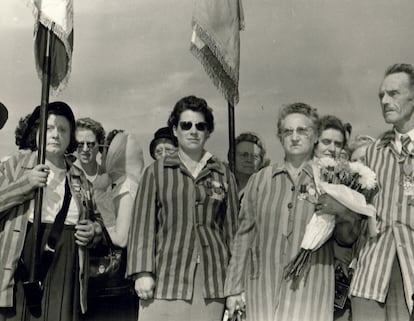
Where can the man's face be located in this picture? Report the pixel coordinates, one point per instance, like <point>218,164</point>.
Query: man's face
<point>298,136</point>
<point>248,157</point>
<point>330,143</point>
<point>87,145</point>
<point>396,98</point>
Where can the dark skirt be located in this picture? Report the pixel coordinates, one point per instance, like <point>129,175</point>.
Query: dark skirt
<point>60,301</point>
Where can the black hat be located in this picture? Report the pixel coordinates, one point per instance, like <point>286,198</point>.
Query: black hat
<point>4,114</point>
<point>163,132</point>
<point>56,108</point>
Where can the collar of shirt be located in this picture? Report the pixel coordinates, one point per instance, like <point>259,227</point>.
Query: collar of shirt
<point>397,140</point>
<point>281,168</point>
<point>212,163</point>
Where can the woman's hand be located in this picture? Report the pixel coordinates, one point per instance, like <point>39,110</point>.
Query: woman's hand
<point>235,304</point>
<point>145,285</point>
<point>85,232</point>
<point>38,176</point>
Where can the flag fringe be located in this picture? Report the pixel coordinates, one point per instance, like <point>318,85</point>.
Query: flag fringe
<point>224,77</point>
<point>62,35</point>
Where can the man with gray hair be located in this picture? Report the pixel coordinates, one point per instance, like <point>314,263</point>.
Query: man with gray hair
<point>383,282</point>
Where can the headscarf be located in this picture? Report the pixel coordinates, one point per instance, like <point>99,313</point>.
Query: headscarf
<point>123,165</point>
<point>123,158</point>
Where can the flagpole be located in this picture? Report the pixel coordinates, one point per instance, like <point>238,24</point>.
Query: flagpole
<point>232,149</point>
<point>41,156</point>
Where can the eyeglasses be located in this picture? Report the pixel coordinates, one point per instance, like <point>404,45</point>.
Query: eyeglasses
<point>186,125</point>
<point>247,155</point>
<point>300,131</point>
<point>89,144</point>
<point>159,152</point>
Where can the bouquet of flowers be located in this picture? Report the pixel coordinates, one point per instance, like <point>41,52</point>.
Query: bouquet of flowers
<point>353,185</point>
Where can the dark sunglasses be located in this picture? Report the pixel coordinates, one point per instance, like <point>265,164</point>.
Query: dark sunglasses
<point>186,125</point>
<point>89,144</point>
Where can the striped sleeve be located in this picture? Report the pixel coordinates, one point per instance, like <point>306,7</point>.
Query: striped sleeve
<point>232,210</point>
<point>141,242</point>
<point>14,192</point>
<point>234,283</point>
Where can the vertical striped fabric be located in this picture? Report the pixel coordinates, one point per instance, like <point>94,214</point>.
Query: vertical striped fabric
<point>272,223</point>
<point>395,221</point>
<point>178,218</point>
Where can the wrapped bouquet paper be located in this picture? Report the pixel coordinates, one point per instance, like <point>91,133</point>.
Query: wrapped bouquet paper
<point>351,184</point>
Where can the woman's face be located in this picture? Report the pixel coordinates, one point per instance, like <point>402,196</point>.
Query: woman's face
<point>87,145</point>
<point>191,131</point>
<point>297,136</point>
<point>359,154</point>
<point>330,143</point>
<point>57,135</point>
<point>164,147</point>
<point>248,157</point>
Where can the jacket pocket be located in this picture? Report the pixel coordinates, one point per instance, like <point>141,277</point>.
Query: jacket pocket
<point>254,263</point>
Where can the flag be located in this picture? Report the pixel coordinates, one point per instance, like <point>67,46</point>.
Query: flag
<point>215,41</point>
<point>56,14</point>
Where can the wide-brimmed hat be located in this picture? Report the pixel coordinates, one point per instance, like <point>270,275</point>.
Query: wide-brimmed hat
<point>163,132</point>
<point>56,108</point>
<point>4,114</point>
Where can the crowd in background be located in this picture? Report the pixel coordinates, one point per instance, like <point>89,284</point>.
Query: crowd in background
<point>198,240</point>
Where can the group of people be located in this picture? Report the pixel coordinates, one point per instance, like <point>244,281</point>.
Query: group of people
<point>203,242</point>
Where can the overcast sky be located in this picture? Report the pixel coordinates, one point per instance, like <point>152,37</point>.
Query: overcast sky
<point>131,63</point>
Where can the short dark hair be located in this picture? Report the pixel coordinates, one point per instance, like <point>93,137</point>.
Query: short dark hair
<point>95,126</point>
<point>297,108</point>
<point>195,104</point>
<point>25,138</point>
<point>401,67</point>
<point>58,108</point>
<point>333,122</point>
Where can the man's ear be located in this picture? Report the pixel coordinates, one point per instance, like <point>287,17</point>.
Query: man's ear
<point>175,131</point>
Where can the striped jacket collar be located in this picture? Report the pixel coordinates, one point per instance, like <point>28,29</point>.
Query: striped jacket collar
<point>213,164</point>
<point>387,139</point>
<point>281,168</point>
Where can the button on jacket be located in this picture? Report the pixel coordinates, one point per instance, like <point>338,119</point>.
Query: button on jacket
<point>179,220</point>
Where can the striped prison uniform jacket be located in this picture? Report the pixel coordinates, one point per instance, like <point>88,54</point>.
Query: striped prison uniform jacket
<point>395,222</point>
<point>179,220</point>
<point>272,223</point>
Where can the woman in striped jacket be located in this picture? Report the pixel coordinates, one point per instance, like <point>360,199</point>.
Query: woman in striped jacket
<point>65,189</point>
<point>184,222</point>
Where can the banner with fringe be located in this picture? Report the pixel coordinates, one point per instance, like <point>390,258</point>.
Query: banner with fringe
<point>215,42</point>
<point>58,13</point>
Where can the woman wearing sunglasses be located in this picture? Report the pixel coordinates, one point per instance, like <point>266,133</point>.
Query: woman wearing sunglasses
<point>184,222</point>
<point>90,136</point>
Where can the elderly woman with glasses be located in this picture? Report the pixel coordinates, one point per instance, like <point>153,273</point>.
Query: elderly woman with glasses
<point>184,222</point>
<point>250,157</point>
<point>272,222</point>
